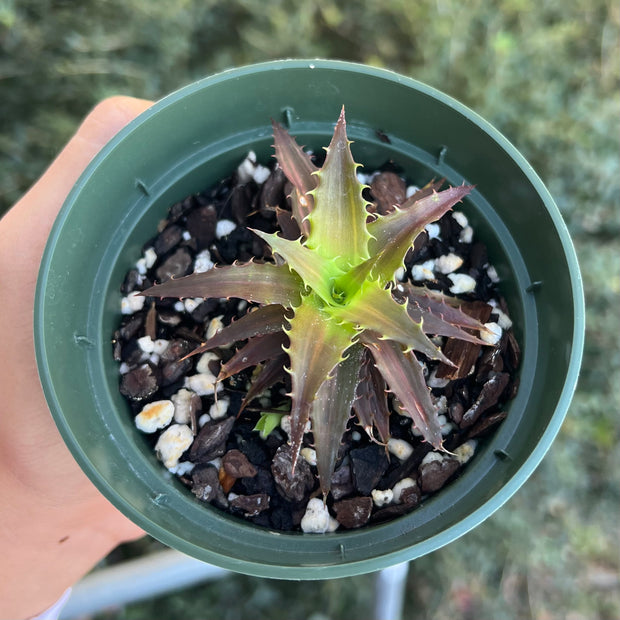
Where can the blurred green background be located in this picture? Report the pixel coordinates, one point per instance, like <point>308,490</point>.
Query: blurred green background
<point>547,74</point>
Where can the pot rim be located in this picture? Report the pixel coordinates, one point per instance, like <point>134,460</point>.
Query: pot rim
<point>44,357</point>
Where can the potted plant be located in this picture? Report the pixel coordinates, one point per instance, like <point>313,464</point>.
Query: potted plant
<point>197,136</point>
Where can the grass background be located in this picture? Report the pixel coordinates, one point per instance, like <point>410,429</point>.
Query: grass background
<point>547,74</point>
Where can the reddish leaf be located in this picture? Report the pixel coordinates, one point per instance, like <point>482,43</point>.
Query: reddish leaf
<point>404,376</point>
<point>271,373</point>
<point>262,321</point>
<point>263,283</point>
<point>443,306</point>
<point>393,234</point>
<point>331,411</point>
<point>317,344</point>
<point>298,168</point>
<point>371,406</point>
<point>257,350</point>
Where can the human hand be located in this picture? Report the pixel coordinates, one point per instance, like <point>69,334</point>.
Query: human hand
<point>54,524</point>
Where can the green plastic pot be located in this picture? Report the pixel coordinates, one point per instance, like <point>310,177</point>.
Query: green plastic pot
<point>188,141</point>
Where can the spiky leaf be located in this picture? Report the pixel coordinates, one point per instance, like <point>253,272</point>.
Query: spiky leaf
<point>317,344</point>
<point>255,351</point>
<point>443,306</point>
<point>262,321</point>
<point>371,406</point>
<point>270,374</point>
<point>376,310</point>
<point>393,234</point>
<point>258,282</point>
<point>298,168</point>
<point>331,411</point>
<point>404,376</point>
<point>338,220</point>
<point>315,270</point>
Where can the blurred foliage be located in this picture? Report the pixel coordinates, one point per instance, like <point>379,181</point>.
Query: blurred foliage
<point>547,74</point>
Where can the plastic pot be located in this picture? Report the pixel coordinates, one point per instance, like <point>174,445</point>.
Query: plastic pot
<point>188,141</point>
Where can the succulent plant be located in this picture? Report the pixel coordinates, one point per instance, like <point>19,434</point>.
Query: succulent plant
<point>328,310</point>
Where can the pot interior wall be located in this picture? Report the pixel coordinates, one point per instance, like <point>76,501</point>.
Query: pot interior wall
<point>189,141</point>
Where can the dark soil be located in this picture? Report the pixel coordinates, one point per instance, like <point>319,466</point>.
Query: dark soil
<point>228,464</point>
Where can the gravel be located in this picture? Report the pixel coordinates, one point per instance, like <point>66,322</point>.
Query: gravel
<point>200,434</point>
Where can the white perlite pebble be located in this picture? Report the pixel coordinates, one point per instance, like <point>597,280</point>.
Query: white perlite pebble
<point>159,346</point>
<point>202,366</point>
<point>134,302</point>
<point>503,320</point>
<point>203,384</point>
<point>433,230</point>
<point>309,455</point>
<point>154,416</point>
<point>215,326</point>
<point>442,404</point>
<point>423,271</point>
<point>285,425</point>
<point>179,306</point>
<point>492,273</point>
<point>461,218</point>
<point>411,190</point>
<point>191,304</point>
<point>465,451</point>
<point>434,382</point>
<point>317,519</point>
<point>223,228</point>
<point>180,469</point>
<point>218,409</point>
<point>399,487</point>
<point>172,443</point>
<point>382,498</point>
<point>444,426</point>
<point>448,263</point>
<point>203,419</point>
<point>466,235</point>
<point>400,448</point>
<point>432,457</point>
<point>203,262</point>
<point>493,335</point>
<point>399,274</point>
<point>146,344</point>
<point>150,257</point>
<point>246,168</point>
<point>182,401</point>
<point>261,174</point>
<point>461,283</point>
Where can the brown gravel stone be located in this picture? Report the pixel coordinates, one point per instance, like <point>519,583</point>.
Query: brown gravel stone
<point>206,486</point>
<point>435,474</point>
<point>211,441</point>
<point>491,391</point>
<point>353,512</point>
<point>139,383</point>
<point>236,464</point>
<point>292,486</point>
<point>176,265</point>
<point>251,505</point>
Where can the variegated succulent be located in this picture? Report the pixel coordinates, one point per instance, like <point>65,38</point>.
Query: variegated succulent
<point>328,308</point>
